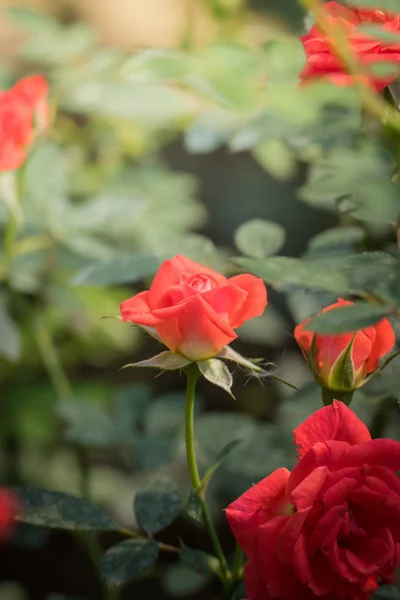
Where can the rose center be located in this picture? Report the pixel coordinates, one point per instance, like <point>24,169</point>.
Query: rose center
<point>200,283</point>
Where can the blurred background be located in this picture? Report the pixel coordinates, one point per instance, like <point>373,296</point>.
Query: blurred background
<point>158,145</point>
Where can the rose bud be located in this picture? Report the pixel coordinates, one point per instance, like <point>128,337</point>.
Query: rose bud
<point>342,362</point>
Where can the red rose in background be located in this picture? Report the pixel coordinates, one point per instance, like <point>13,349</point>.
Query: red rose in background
<point>194,310</point>
<point>9,506</point>
<point>325,352</point>
<point>322,60</point>
<point>23,110</point>
<point>330,529</point>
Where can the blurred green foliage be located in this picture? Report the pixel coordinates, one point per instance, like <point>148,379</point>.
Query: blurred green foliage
<point>99,207</point>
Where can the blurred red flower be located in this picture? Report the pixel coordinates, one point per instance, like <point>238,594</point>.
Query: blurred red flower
<point>23,111</point>
<point>9,506</point>
<point>322,58</point>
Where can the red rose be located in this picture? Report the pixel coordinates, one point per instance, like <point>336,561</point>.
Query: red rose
<point>23,110</point>
<point>324,353</point>
<point>330,529</point>
<point>9,506</point>
<point>194,310</point>
<point>322,60</point>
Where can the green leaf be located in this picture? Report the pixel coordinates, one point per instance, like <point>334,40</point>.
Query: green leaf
<point>156,64</point>
<point>379,33</point>
<point>387,592</point>
<point>61,511</point>
<point>281,271</point>
<point>276,158</point>
<point>87,424</point>
<point>258,238</point>
<point>387,5</point>
<point>217,373</point>
<point>335,240</point>
<point>209,131</point>
<point>198,561</point>
<point>10,340</point>
<point>126,269</point>
<point>348,318</point>
<point>180,581</point>
<point>128,560</point>
<point>153,451</point>
<point>194,506</point>
<point>222,455</point>
<point>167,361</point>
<point>157,505</point>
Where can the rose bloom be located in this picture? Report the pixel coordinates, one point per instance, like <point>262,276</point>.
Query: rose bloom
<point>194,310</point>
<point>9,506</point>
<point>330,529</point>
<point>322,60</point>
<point>23,111</point>
<point>324,354</point>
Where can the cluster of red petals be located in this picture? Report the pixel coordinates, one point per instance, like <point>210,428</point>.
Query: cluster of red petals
<point>330,529</point>
<point>194,310</point>
<point>9,507</point>
<point>322,59</point>
<point>23,110</point>
<point>368,346</point>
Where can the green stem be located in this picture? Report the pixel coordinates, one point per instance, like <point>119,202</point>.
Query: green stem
<point>192,373</point>
<point>328,396</point>
<point>51,359</point>
<point>237,567</point>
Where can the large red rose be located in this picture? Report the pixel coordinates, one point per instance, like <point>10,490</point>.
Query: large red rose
<point>194,310</point>
<point>330,529</point>
<point>9,506</point>
<point>322,58</point>
<point>23,110</point>
<point>323,355</point>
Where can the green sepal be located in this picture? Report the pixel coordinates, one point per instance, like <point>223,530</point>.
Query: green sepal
<point>342,376</point>
<point>166,361</point>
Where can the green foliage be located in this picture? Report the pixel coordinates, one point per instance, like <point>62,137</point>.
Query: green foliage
<point>61,511</point>
<point>387,592</point>
<point>128,560</point>
<point>348,318</point>
<point>157,505</point>
<point>258,238</point>
<point>107,194</point>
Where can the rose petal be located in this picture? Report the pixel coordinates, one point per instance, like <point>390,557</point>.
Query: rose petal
<point>137,310</point>
<point>225,301</point>
<point>255,301</point>
<point>197,332</point>
<point>258,505</point>
<point>334,422</point>
<point>170,274</point>
<point>385,340</point>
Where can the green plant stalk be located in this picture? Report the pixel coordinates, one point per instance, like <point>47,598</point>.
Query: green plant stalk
<point>237,567</point>
<point>328,396</point>
<point>193,373</point>
<point>63,389</point>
